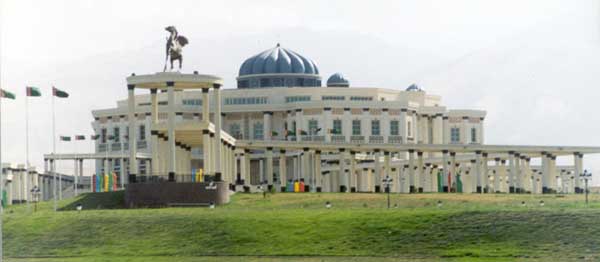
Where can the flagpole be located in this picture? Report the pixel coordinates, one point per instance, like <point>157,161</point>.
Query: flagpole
<point>54,155</point>
<point>27,152</point>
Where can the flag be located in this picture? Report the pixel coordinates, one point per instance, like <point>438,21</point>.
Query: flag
<point>65,138</point>
<point>33,91</point>
<point>59,93</point>
<point>94,137</point>
<point>6,94</point>
<point>79,137</point>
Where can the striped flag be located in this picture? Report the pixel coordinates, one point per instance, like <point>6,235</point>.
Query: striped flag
<point>94,137</point>
<point>6,94</point>
<point>65,138</point>
<point>33,91</point>
<point>59,93</point>
<point>79,137</point>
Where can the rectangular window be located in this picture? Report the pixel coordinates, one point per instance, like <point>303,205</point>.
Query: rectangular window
<point>295,99</point>
<point>191,102</point>
<point>337,127</point>
<point>313,125</point>
<point>245,100</point>
<point>142,132</point>
<point>375,128</point>
<point>455,135</point>
<point>473,135</point>
<point>103,135</point>
<point>235,131</point>
<point>356,127</point>
<point>117,134</point>
<point>258,131</point>
<point>394,128</point>
<point>409,129</point>
<point>325,98</point>
<point>361,98</point>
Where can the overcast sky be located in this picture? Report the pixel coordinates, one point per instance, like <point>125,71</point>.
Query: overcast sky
<point>533,65</point>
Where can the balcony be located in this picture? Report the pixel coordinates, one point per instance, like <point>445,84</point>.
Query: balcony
<point>115,146</point>
<point>102,147</point>
<point>395,139</point>
<point>376,139</point>
<point>338,139</point>
<point>319,138</point>
<point>305,138</point>
<point>142,144</point>
<point>357,139</point>
<point>291,138</point>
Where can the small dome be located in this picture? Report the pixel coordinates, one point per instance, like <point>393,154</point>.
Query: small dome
<point>337,80</point>
<point>414,87</point>
<point>278,60</point>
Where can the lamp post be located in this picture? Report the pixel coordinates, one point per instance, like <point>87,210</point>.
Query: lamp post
<point>35,194</point>
<point>586,175</point>
<point>387,181</point>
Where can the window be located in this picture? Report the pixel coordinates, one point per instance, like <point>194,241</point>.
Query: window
<point>294,126</point>
<point>409,129</point>
<point>361,98</point>
<point>325,98</point>
<point>258,131</point>
<point>245,100</point>
<point>192,102</point>
<point>455,135</point>
<point>142,167</point>
<point>142,132</point>
<point>103,135</point>
<point>313,125</point>
<point>473,135</point>
<point>356,127</point>
<point>394,128</point>
<point>117,134</point>
<point>235,131</point>
<point>375,128</point>
<point>337,127</point>
<point>294,99</point>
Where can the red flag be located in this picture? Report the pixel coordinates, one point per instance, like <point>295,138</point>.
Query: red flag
<point>449,181</point>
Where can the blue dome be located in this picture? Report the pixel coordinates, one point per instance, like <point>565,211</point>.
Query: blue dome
<point>414,87</point>
<point>278,60</point>
<point>337,80</point>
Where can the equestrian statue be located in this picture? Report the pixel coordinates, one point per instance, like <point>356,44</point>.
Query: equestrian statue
<point>175,44</point>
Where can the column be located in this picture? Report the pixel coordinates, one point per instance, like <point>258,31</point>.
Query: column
<point>403,178</point>
<point>352,174</point>
<point>497,175</point>
<point>424,133</point>
<point>282,170</point>
<point>402,125</point>
<point>243,171</point>
<point>484,173</point>
<point>318,173</point>
<point>464,132</point>
<point>445,186</point>
<point>377,175</point>
<point>415,126</point>
<point>171,130</point>
<point>477,175</point>
<point>553,179</point>
<point>453,178</point>
<point>218,118</point>
<point>133,168</point>
<point>153,132</point>
<point>578,163</point>
<point>420,171</point>
<point>387,167</point>
<point>519,176</point>
<point>75,176</point>
<point>446,129</point>
<point>545,175</point>
<point>247,175</point>
<point>385,124</point>
<point>269,167</point>
<point>327,124</point>
<point>299,119</point>
<point>513,172</point>
<point>343,178</point>
<point>347,124</point>
<point>411,171</point>
<point>267,125</point>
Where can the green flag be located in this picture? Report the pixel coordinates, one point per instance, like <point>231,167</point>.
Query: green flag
<point>6,94</point>
<point>59,93</point>
<point>33,91</point>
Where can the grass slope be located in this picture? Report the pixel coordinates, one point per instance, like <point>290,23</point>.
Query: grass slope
<point>466,227</point>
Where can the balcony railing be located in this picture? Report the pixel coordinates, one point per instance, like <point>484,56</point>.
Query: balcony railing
<point>338,139</point>
<point>395,139</point>
<point>115,147</point>
<point>318,138</point>
<point>142,144</point>
<point>305,138</point>
<point>291,138</point>
<point>102,147</point>
<point>357,139</point>
<point>376,139</point>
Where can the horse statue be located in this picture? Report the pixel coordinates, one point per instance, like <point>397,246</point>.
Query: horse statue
<point>175,44</point>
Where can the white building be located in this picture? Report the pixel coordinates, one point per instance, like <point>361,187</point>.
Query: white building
<point>280,97</point>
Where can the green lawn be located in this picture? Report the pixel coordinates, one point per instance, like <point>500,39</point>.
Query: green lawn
<point>298,227</point>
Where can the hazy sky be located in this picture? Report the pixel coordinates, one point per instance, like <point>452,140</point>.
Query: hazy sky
<point>533,65</point>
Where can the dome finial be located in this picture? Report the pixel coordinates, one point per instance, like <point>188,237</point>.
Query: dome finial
<point>278,44</point>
